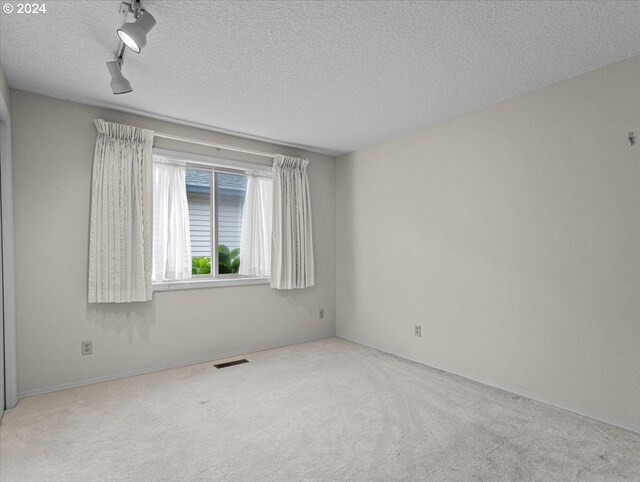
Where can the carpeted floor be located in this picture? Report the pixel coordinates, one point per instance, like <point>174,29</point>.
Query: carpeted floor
<point>326,410</point>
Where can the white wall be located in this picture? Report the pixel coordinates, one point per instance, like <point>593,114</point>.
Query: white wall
<point>512,235</point>
<point>53,143</point>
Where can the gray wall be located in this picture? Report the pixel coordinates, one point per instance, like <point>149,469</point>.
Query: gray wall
<point>200,223</point>
<point>512,235</point>
<point>53,144</point>
<point>230,222</point>
<point>4,93</point>
<point>8,382</point>
<point>4,117</point>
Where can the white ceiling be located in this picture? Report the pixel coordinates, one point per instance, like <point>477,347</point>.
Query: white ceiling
<point>330,76</point>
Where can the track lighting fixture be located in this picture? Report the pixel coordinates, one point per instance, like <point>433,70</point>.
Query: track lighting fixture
<point>132,35</point>
<point>119,84</point>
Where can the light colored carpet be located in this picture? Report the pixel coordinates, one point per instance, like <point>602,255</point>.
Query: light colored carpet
<point>326,410</point>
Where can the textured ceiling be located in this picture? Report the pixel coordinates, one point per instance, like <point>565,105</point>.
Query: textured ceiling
<point>330,76</point>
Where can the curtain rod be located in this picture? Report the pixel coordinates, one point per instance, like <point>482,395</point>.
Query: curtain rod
<point>213,144</point>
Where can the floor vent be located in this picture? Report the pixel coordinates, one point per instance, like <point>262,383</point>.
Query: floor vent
<point>231,363</point>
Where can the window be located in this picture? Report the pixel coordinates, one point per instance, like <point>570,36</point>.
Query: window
<point>200,209</point>
<point>228,204</point>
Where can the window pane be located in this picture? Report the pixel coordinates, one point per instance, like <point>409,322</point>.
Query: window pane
<point>198,183</point>
<point>231,191</point>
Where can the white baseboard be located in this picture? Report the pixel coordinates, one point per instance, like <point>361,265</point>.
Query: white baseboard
<point>157,368</point>
<point>632,427</point>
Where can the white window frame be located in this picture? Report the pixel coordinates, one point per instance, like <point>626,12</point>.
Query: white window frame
<point>217,165</point>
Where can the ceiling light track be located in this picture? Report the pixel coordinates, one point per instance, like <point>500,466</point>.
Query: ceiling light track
<point>134,7</point>
<point>132,35</point>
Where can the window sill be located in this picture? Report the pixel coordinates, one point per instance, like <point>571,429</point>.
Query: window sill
<point>209,283</point>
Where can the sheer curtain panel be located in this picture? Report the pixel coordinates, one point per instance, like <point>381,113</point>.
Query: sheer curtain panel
<point>172,238</point>
<point>292,243</point>
<point>120,224</point>
<point>255,236</point>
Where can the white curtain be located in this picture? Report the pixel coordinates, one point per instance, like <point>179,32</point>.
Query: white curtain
<point>292,243</point>
<point>120,224</point>
<point>255,237</point>
<point>172,239</point>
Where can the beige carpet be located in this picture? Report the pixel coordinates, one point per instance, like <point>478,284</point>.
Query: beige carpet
<point>327,410</point>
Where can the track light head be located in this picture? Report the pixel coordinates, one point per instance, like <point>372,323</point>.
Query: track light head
<point>119,85</point>
<point>134,34</point>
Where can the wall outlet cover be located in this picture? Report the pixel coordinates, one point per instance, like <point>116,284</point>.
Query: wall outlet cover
<point>87,347</point>
<point>321,314</point>
<point>417,330</point>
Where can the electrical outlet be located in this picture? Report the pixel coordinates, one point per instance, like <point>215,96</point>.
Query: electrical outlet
<point>87,347</point>
<point>321,313</point>
<point>417,330</point>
